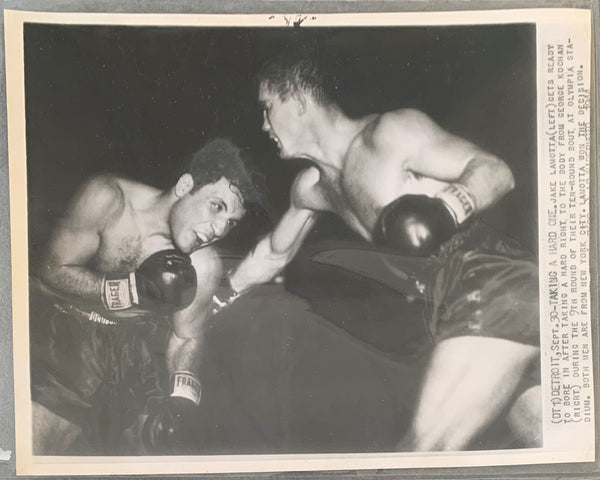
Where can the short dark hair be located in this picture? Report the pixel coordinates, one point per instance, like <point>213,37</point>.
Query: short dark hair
<point>293,71</point>
<point>220,157</point>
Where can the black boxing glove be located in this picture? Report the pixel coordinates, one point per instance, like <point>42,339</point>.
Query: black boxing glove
<point>414,225</point>
<point>171,427</point>
<point>165,283</point>
<point>418,225</point>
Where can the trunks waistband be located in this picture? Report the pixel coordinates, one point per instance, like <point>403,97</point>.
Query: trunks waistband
<point>90,316</point>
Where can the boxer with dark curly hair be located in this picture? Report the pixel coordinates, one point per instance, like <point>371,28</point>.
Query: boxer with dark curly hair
<point>126,254</point>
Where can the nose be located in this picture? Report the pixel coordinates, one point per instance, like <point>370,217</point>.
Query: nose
<point>219,227</point>
<point>266,127</point>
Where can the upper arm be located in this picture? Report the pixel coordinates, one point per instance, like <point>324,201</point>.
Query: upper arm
<point>76,238</point>
<point>430,150</point>
<point>187,323</point>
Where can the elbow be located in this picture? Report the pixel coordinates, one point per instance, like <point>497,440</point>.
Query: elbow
<point>508,178</point>
<point>500,177</point>
<point>47,273</point>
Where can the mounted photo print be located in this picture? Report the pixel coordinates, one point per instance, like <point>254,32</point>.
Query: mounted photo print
<point>262,243</point>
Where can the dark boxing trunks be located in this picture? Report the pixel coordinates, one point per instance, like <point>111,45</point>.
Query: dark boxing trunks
<point>486,286</point>
<point>93,371</point>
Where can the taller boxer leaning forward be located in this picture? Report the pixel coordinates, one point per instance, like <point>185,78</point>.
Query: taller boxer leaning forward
<point>401,181</point>
<point>126,254</point>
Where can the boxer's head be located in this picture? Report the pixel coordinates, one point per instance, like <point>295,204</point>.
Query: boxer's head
<point>297,73</point>
<point>289,87</point>
<point>212,196</point>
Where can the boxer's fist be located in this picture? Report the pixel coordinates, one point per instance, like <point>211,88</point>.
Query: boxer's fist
<point>414,225</point>
<point>165,282</point>
<point>171,427</point>
<point>168,279</point>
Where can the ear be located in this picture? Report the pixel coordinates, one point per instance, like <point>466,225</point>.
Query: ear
<point>184,185</point>
<point>301,100</point>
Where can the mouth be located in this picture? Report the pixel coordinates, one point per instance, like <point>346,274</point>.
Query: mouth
<point>203,238</point>
<point>275,140</point>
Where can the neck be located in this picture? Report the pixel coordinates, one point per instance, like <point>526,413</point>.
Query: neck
<point>155,213</point>
<point>332,134</point>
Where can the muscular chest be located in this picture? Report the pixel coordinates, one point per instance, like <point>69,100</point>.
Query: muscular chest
<point>124,245</point>
<point>330,194</point>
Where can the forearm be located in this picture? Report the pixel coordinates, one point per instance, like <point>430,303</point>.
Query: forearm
<point>184,354</point>
<point>259,266</point>
<point>183,367</point>
<point>274,251</point>
<point>73,280</point>
<point>171,427</point>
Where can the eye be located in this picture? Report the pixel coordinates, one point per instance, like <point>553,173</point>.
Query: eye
<point>232,223</point>
<point>216,207</point>
<point>266,108</point>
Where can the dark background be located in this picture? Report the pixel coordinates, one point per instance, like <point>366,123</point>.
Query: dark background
<point>137,100</point>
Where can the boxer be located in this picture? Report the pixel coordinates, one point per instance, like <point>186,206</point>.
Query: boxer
<point>126,255</point>
<point>401,181</point>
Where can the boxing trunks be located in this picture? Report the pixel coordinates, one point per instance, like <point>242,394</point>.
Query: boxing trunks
<point>93,371</point>
<point>485,284</point>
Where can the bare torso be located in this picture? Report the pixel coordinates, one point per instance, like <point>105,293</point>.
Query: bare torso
<point>129,238</point>
<point>371,178</point>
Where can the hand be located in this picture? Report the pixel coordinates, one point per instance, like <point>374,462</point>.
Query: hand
<point>414,225</point>
<point>172,427</point>
<point>165,282</point>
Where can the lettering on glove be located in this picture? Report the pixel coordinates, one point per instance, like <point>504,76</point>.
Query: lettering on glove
<point>186,385</point>
<point>459,202</point>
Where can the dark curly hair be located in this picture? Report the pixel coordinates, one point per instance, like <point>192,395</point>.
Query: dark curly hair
<point>220,157</point>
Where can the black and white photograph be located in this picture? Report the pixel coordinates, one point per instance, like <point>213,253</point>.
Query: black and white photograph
<point>284,240</point>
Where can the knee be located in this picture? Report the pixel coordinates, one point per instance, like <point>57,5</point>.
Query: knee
<point>525,418</point>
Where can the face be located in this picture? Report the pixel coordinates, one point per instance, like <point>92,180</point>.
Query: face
<point>283,121</point>
<point>203,216</point>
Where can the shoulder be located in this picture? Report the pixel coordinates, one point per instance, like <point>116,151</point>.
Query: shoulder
<point>102,193</point>
<point>96,201</point>
<point>303,191</point>
<point>406,126</point>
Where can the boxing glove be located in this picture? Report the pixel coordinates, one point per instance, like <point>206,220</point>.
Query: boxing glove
<point>164,283</point>
<point>418,225</point>
<point>171,427</point>
<point>414,225</point>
